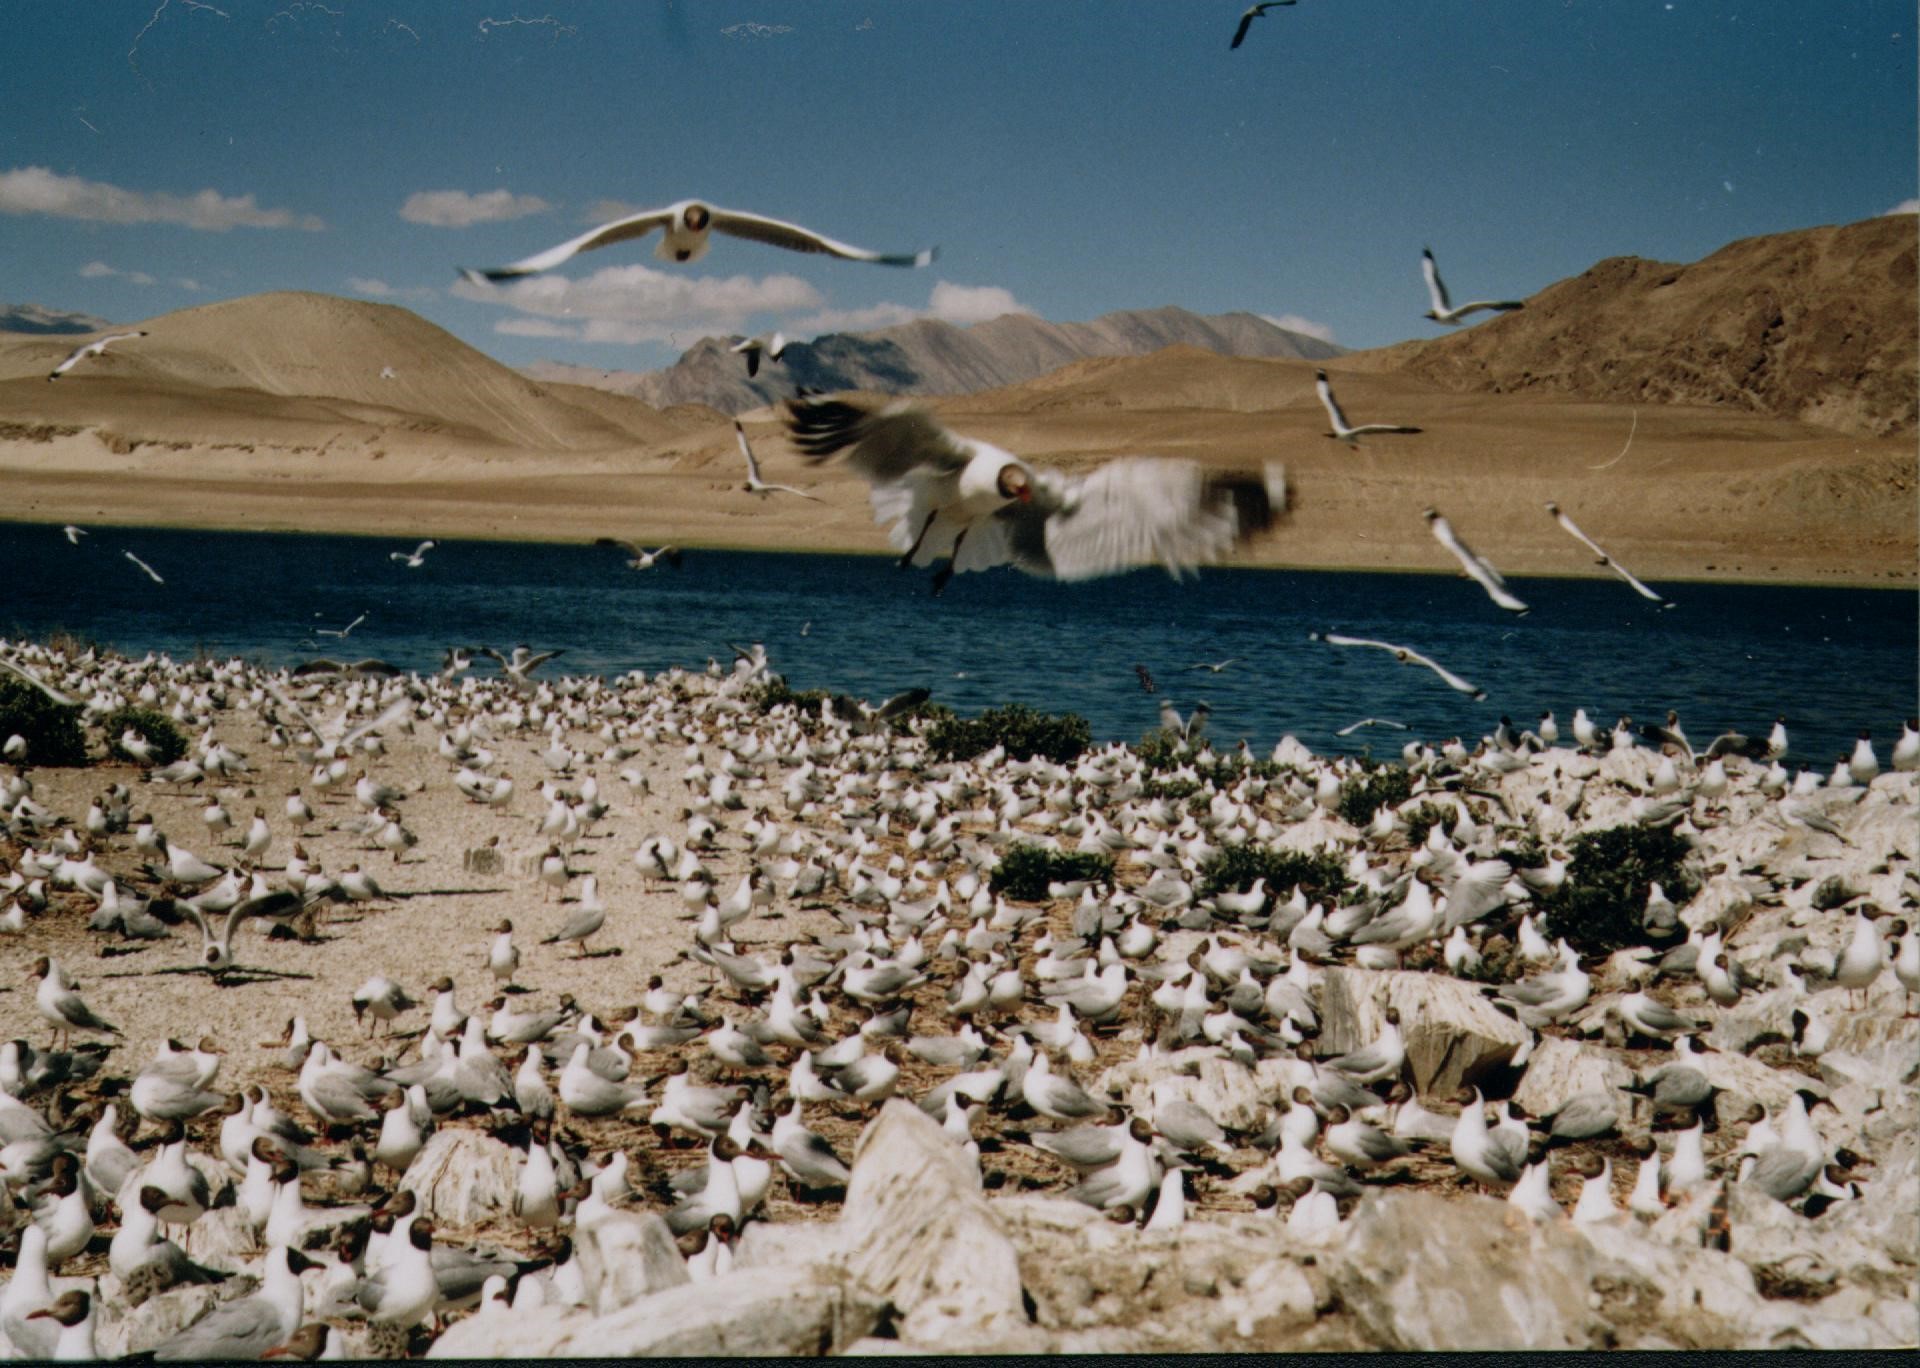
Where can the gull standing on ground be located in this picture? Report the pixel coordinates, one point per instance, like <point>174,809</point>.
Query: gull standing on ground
<point>756,485</point>
<point>1472,562</point>
<point>639,559</point>
<point>1605,559</point>
<point>753,348</point>
<point>60,1005</point>
<point>979,506</point>
<point>688,226</point>
<point>1343,430</point>
<point>94,348</point>
<point>1248,16</point>
<point>1442,312</point>
<point>415,558</point>
<point>152,574</point>
<point>1406,656</point>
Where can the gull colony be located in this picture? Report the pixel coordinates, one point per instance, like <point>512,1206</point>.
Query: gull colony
<point>781,928</point>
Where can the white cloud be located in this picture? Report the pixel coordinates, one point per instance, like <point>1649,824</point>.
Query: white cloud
<point>855,320</point>
<point>1295,323</point>
<point>1906,206</point>
<point>534,327</point>
<point>187,283</point>
<point>632,304</point>
<point>379,289</point>
<point>99,270</point>
<point>458,209</point>
<point>972,303</point>
<point>37,190</point>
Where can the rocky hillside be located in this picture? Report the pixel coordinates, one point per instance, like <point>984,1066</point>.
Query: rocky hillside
<point>1817,325</point>
<point>931,357</point>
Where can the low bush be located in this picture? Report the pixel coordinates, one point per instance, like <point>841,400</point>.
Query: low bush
<point>1023,731</point>
<point>1025,871</point>
<point>167,741</point>
<point>1598,907</point>
<point>1233,869</point>
<point>52,732</point>
<point>1365,794</point>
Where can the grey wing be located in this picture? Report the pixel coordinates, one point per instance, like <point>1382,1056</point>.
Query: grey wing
<point>793,237</point>
<point>1141,511</point>
<point>1586,1116</point>
<point>885,445</point>
<point>243,1329</point>
<point>1378,1146</point>
<point>338,1095</point>
<point>1530,992</point>
<point>1083,1146</point>
<point>636,225</point>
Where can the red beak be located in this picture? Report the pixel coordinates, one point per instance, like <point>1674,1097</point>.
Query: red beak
<point>1026,494</point>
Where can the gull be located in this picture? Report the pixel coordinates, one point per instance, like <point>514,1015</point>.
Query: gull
<point>94,348</point>
<point>74,534</point>
<point>1475,565</point>
<point>1605,559</point>
<point>980,506</point>
<point>1406,655</point>
<point>1442,312</point>
<point>247,1327</point>
<point>72,1310</point>
<point>1212,668</point>
<point>756,485</point>
<point>152,574</point>
<point>415,558</point>
<point>523,662</point>
<point>60,1005</point>
<point>639,559</point>
<point>688,226</point>
<point>64,700</point>
<point>1146,679</point>
<point>342,633</point>
<point>753,348</point>
<point>1342,430</point>
<point>1248,16</point>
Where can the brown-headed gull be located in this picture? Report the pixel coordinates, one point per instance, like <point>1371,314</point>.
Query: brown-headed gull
<point>1442,311</point>
<point>1406,655</point>
<point>1342,429</point>
<point>687,228</point>
<point>1604,559</point>
<point>94,348</point>
<point>756,485</point>
<point>1476,566</point>
<point>1249,15</point>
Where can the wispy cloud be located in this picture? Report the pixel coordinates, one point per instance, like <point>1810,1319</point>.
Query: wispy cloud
<point>379,289</point>
<point>632,304</point>
<point>99,270</point>
<point>458,209</point>
<point>38,190</point>
<point>951,303</point>
<point>1295,323</point>
<point>1906,206</point>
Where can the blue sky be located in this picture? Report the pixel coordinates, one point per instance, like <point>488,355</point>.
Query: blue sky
<point>1069,157</point>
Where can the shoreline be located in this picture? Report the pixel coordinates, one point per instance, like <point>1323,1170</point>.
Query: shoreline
<point>1841,579</point>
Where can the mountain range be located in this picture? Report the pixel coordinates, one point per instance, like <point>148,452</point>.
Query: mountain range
<point>32,318</point>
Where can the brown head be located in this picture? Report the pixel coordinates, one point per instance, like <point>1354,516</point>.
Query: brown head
<point>1014,483</point>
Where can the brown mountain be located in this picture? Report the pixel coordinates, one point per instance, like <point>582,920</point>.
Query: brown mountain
<point>928,356</point>
<point>1817,325</point>
<point>32,318</point>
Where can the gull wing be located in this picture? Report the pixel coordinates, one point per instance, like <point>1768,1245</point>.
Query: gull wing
<point>740,435</point>
<point>1334,413</point>
<point>885,445</point>
<point>620,230</point>
<point>1435,286</point>
<point>793,237</point>
<point>1140,511</point>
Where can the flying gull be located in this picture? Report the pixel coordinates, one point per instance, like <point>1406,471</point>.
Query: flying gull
<point>74,534</point>
<point>1406,656</point>
<point>1442,312</point>
<point>152,574</point>
<point>639,559</point>
<point>753,348</point>
<point>756,485</point>
<point>94,348</point>
<point>342,632</point>
<point>1605,559</point>
<point>688,226</point>
<point>1475,565</point>
<point>415,558</point>
<point>1247,18</point>
<point>1342,429</point>
<point>979,506</point>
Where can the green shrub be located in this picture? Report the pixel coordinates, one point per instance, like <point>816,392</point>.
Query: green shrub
<point>1365,794</point>
<point>168,744</point>
<point>770,695</point>
<point>1024,732</point>
<point>1599,905</point>
<point>1233,869</point>
<point>1025,871</point>
<point>1161,750</point>
<point>1423,818</point>
<point>52,732</point>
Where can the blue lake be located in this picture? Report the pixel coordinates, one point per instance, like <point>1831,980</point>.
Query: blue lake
<point>1728,656</point>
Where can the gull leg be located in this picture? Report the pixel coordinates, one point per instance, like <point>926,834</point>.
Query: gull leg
<point>945,572</point>
<point>913,550</point>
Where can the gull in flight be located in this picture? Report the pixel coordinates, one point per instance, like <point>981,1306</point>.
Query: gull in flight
<point>94,348</point>
<point>1406,656</point>
<point>639,559</point>
<point>1475,565</point>
<point>74,534</point>
<point>756,485</point>
<point>1213,668</point>
<point>342,633</point>
<point>1442,312</point>
<point>1605,559</point>
<point>1342,429</point>
<point>753,348</point>
<point>1247,18</point>
<point>415,558</point>
<point>152,574</point>
<point>1375,721</point>
<point>979,506</point>
<point>524,661</point>
<point>64,700</point>
<point>687,227</point>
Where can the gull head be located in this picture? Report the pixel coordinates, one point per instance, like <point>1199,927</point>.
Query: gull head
<point>1014,483</point>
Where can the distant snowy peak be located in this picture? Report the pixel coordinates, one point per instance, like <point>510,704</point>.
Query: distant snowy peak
<point>32,318</point>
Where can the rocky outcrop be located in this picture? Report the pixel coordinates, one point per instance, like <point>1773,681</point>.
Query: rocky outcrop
<point>462,1177</point>
<point>1453,1034</point>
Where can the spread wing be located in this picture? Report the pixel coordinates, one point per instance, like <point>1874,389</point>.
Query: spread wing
<point>885,445</point>
<point>633,226</point>
<point>1334,413</point>
<point>1435,286</point>
<point>1139,511</point>
<point>794,238</point>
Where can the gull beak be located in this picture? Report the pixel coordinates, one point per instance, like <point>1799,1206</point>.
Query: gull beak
<point>1026,494</point>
